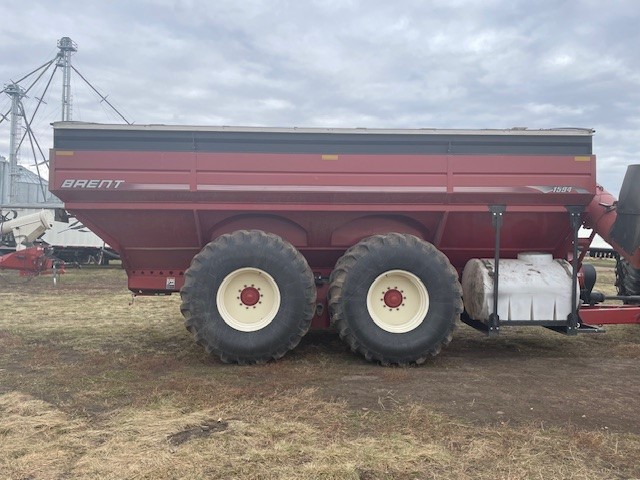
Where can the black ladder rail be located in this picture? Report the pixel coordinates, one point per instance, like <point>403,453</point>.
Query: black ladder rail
<point>573,320</point>
<point>497,212</point>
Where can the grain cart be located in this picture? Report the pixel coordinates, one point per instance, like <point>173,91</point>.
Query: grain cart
<point>390,236</point>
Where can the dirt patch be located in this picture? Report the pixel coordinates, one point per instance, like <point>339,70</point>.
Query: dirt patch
<point>199,431</point>
<point>522,378</point>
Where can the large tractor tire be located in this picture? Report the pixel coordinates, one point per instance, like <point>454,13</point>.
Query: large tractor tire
<point>248,297</point>
<point>395,299</point>
<point>627,279</point>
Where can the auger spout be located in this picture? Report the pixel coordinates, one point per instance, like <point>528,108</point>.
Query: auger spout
<point>618,221</point>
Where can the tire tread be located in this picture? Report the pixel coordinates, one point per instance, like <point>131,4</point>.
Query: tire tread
<point>350,258</point>
<point>258,239</point>
<point>627,278</point>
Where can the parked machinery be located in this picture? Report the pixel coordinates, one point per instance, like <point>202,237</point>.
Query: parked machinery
<point>29,259</point>
<point>267,232</point>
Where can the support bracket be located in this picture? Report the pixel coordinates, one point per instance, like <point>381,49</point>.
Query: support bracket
<point>497,212</point>
<point>573,320</point>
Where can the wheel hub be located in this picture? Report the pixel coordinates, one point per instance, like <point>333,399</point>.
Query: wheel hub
<point>393,298</point>
<point>250,296</point>
<point>248,299</point>
<point>398,301</point>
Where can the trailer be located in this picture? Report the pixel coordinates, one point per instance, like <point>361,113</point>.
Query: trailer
<point>388,236</point>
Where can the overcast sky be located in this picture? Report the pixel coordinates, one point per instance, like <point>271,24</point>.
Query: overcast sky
<point>349,63</point>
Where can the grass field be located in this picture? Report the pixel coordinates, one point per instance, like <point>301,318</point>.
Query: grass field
<point>92,386</point>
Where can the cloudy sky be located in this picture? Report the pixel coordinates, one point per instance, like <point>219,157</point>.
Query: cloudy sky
<point>348,63</point>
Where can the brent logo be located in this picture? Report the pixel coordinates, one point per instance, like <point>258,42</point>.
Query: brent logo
<point>91,183</point>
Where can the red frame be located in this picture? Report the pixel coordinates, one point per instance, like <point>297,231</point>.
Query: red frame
<point>168,205</point>
<point>610,314</point>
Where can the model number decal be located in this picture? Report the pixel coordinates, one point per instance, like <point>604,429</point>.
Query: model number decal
<point>561,189</point>
<point>91,183</point>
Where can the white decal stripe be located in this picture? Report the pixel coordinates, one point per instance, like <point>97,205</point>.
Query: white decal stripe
<point>318,188</point>
<point>157,186</point>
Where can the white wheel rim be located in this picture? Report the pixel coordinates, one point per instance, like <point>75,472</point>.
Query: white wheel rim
<point>248,299</point>
<point>398,301</point>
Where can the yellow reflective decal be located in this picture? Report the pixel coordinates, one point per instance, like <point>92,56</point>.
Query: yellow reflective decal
<point>582,159</point>
<point>64,153</point>
<point>330,157</point>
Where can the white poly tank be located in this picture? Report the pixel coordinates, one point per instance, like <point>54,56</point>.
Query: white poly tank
<point>533,287</point>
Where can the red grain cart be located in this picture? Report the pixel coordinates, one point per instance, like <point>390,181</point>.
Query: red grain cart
<point>267,232</point>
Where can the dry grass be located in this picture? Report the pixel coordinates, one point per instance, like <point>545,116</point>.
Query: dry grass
<point>606,276</point>
<point>92,387</point>
<point>292,434</point>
